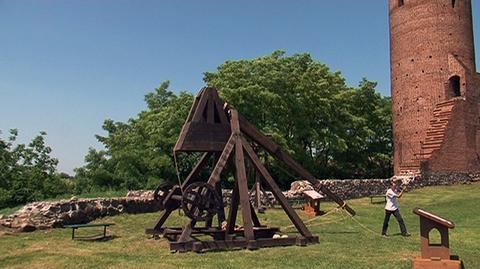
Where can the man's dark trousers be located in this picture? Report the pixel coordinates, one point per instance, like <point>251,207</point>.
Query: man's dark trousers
<point>399,218</point>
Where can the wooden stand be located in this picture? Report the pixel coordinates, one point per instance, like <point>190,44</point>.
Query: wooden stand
<point>435,256</point>
<point>312,203</point>
<point>219,131</point>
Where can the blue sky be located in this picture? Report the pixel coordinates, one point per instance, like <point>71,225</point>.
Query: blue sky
<point>66,66</point>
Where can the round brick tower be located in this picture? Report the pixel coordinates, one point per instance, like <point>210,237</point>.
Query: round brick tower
<point>431,50</point>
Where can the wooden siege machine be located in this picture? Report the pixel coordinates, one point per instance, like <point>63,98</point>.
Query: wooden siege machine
<point>221,133</point>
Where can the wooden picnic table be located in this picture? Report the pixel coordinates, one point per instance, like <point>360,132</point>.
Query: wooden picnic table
<point>95,237</point>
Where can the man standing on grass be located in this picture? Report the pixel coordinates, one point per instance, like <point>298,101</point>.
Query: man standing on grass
<point>392,207</point>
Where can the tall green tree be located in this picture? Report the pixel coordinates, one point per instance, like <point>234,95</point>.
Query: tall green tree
<point>27,171</point>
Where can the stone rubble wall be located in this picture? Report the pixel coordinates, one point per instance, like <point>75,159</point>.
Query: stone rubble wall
<point>50,214</point>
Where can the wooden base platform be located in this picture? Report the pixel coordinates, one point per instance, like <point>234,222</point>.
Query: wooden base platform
<point>235,243</point>
<point>419,263</point>
<point>169,232</point>
<point>263,238</point>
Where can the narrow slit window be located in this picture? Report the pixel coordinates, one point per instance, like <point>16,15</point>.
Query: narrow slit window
<point>453,3</point>
<point>401,2</point>
<point>454,86</point>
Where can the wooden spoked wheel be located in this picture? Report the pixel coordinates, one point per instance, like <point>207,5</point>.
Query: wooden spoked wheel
<point>200,201</point>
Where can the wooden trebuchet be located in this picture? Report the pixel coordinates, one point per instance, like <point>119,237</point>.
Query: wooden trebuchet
<point>221,133</point>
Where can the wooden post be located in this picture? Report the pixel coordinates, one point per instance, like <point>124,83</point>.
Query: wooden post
<point>276,191</point>
<point>242,178</point>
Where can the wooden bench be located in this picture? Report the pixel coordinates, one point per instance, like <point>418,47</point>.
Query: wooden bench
<point>373,197</point>
<point>94,237</point>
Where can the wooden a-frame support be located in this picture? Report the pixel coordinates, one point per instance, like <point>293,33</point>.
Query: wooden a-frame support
<point>206,110</point>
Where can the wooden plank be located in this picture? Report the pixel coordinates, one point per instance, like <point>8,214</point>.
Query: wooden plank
<point>231,244</point>
<point>243,190</point>
<point>256,221</point>
<point>194,106</point>
<point>215,175</point>
<point>433,217</point>
<point>187,231</point>
<point>198,114</point>
<point>196,169</point>
<point>163,217</point>
<point>234,122</point>
<point>277,151</point>
<point>275,190</point>
<point>218,190</point>
<point>232,213</point>
<point>256,135</point>
<point>221,206</point>
<point>88,225</point>
<point>258,191</point>
<point>181,137</point>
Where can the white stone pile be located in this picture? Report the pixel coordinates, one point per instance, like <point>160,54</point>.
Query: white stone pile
<point>51,214</point>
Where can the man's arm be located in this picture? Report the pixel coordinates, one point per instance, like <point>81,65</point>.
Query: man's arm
<point>401,193</point>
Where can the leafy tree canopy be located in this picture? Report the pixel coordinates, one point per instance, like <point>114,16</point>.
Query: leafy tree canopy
<point>27,172</point>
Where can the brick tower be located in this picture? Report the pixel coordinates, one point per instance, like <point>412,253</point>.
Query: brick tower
<point>435,86</point>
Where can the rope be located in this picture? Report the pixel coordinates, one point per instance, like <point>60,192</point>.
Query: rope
<point>177,171</point>
<point>362,225</point>
<point>334,210</point>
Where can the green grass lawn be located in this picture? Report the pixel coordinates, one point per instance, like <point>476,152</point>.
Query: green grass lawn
<point>343,242</point>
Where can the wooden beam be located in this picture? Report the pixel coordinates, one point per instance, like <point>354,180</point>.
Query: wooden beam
<point>275,190</point>
<point>243,191</point>
<point>232,213</point>
<point>218,190</point>
<point>215,175</point>
<point>161,220</point>
<point>187,231</point>
<point>194,106</point>
<point>256,221</point>
<point>196,169</point>
<point>241,177</point>
<point>198,114</point>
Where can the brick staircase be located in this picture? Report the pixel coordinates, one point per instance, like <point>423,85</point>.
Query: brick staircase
<point>435,135</point>
<point>438,127</point>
